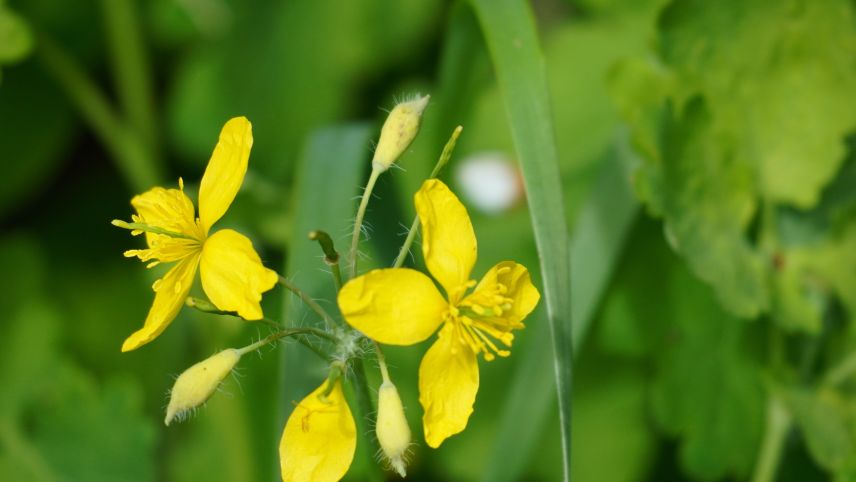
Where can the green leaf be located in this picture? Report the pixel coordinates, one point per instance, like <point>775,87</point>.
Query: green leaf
<point>93,433</point>
<point>707,389</point>
<point>725,129</point>
<point>707,203</point>
<point>16,39</point>
<point>785,103</point>
<point>512,40</point>
<point>828,423</point>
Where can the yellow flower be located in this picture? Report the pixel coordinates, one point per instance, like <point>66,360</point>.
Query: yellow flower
<point>232,274</point>
<point>320,437</point>
<point>401,306</point>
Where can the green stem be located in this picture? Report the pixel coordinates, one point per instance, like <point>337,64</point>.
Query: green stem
<point>381,362</point>
<point>135,162</point>
<point>405,248</point>
<point>358,221</point>
<point>778,426</point>
<point>297,333</point>
<point>131,68</point>
<point>312,304</point>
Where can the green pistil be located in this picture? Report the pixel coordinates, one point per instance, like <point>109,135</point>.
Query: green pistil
<point>150,229</point>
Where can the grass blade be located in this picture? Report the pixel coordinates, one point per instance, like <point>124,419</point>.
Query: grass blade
<point>598,241</point>
<point>511,36</point>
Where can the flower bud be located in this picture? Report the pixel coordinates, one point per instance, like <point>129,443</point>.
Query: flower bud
<point>196,385</point>
<point>398,132</point>
<point>392,430</point>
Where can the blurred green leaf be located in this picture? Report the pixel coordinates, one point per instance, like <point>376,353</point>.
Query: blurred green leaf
<point>93,433</point>
<point>511,36</point>
<point>725,129</point>
<point>706,199</point>
<point>707,389</point>
<point>828,423</point>
<point>53,417</point>
<point>16,39</point>
<point>783,105</point>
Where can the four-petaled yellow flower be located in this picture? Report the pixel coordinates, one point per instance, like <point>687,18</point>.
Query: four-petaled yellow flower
<point>232,274</point>
<point>400,306</point>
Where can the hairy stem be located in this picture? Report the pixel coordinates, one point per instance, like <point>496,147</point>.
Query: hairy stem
<point>312,304</point>
<point>358,221</point>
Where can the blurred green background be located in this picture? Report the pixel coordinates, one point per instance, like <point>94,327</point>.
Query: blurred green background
<point>709,177</point>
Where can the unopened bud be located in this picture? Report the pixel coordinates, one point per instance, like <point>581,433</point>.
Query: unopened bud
<point>392,430</point>
<point>398,132</point>
<point>196,385</point>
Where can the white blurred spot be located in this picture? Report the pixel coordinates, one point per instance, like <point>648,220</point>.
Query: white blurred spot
<point>489,181</point>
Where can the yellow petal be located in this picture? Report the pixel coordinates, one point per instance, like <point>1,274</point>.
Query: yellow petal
<point>395,306</point>
<point>170,293</point>
<point>448,382</point>
<point>448,240</point>
<point>505,294</point>
<point>319,439</point>
<point>225,171</point>
<point>232,274</point>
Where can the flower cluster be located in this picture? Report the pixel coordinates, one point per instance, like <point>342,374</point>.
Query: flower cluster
<point>395,306</point>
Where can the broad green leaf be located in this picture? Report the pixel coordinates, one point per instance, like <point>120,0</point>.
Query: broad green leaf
<point>725,129</point>
<point>706,199</point>
<point>706,390</point>
<point>785,102</point>
<point>511,36</point>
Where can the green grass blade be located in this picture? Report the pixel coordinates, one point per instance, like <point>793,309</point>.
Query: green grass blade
<point>328,178</point>
<point>598,241</point>
<point>512,39</point>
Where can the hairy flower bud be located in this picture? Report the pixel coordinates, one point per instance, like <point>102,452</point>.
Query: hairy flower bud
<point>398,132</point>
<point>392,430</point>
<point>196,385</point>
